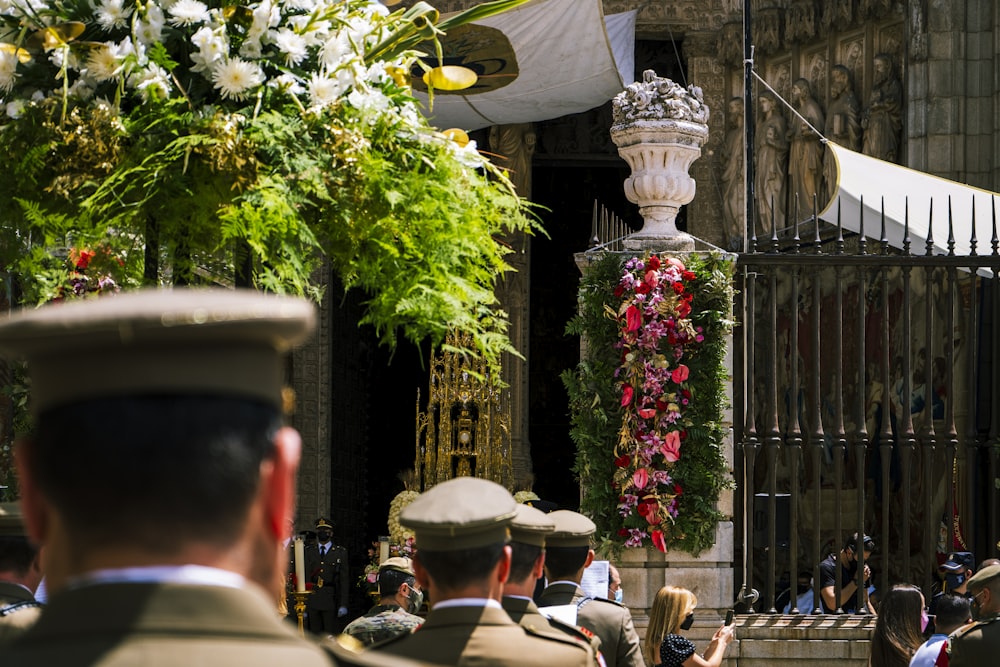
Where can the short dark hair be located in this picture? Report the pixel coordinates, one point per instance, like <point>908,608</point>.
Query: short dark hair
<point>16,554</point>
<point>389,581</point>
<point>523,560</point>
<point>564,562</point>
<point>455,569</point>
<point>153,471</point>
<point>951,610</point>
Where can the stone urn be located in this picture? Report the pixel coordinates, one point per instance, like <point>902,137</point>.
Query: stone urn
<point>659,128</point>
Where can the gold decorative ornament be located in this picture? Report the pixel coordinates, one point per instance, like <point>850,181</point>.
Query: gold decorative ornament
<point>460,137</point>
<point>450,77</point>
<point>300,609</point>
<point>55,36</point>
<point>466,428</point>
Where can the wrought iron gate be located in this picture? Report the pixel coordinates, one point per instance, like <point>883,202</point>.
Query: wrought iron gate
<point>867,400</point>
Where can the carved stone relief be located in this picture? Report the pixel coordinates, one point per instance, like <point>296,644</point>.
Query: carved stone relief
<point>851,54</point>
<point>730,48</point>
<point>873,9</point>
<point>800,22</point>
<point>837,14</point>
<point>767,29</point>
<point>814,68</point>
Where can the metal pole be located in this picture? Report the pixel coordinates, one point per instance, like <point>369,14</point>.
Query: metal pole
<point>748,125</point>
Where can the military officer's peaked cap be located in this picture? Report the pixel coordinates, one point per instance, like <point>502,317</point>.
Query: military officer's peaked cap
<point>177,342</point>
<point>11,520</point>
<point>572,529</point>
<point>461,513</point>
<point>323,523</point>
<point>530,526</point>
<point>984,576</point>
<point>397,563</point>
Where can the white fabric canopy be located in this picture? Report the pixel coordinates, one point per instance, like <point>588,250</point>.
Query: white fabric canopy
<point>567,58</point>
<point>860,176</point>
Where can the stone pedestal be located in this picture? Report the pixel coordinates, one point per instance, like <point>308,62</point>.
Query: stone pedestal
<point>659,128</point>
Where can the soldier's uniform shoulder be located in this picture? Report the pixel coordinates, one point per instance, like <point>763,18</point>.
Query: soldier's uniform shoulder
<point>977,625</point>
<point>349,652</point>
<point>611,602</point>
<point>574,630</point>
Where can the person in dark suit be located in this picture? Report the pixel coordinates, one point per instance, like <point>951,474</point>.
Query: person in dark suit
<point>462,561</point>
<point>159,483</point>
<point>567,555</point>
<point>328,570</point>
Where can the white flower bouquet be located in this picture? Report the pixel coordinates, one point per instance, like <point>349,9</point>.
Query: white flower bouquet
<point>210,141</point>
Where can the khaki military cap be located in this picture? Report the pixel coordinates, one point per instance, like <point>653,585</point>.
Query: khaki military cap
<point>180,342</point>
<point>984,576</point>
<point>11,521</point>
<point>397,563</point>
<point>530,526</point>
<point>572,529</point>
<point>461,513</point>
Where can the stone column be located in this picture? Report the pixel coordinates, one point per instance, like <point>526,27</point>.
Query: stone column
<point>514,146</point>
<point>704,213</point>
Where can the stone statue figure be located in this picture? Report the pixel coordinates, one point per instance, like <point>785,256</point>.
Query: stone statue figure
<point>805,156</point>
<point>772,158</point>
<point>883,119</point>
<point>843,125</point>
<point>515,146</point>
<point>733,197</point>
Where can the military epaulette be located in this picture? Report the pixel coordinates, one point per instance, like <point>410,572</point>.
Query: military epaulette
<point>547,633</point>
<point>24,605</point>
<point>349,652</point>
<point>617,604</point>
<point>576,630</point>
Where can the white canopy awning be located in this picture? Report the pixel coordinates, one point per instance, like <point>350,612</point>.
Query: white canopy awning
<point>542,60</point>
<point>884,183</point>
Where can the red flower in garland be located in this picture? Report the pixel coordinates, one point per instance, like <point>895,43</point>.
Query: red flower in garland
<point>654,336</point>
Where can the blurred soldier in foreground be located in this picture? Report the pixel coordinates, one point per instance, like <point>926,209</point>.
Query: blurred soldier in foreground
<point>395,614</point>
<point>159,483</point>
<point>20,573</point>
<point>463,561</point>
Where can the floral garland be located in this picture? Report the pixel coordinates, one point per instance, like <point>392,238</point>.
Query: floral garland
<point>647,401</point>
<point>655,333</point>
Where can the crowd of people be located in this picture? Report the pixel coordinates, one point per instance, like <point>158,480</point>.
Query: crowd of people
<point>190,392</point>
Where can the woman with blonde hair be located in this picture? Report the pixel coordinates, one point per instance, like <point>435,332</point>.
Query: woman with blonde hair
<point>673,611</point>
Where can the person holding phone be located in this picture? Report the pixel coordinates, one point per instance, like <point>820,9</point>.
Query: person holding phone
<point>673,612</point>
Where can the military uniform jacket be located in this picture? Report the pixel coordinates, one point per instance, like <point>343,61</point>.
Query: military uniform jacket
<point>155,625</point>
<point>607,619</point>
<point>525,613</point>
<point>484,636</point>
<point>18,610</point>
<point>975,645</point>
<point>333,570</point>
<point>382,622</point>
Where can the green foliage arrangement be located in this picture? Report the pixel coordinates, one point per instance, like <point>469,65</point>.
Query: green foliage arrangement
<point>211,142</point>
<point>596,396</point>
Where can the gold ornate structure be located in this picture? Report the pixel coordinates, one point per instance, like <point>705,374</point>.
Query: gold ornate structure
<point>466,428</point>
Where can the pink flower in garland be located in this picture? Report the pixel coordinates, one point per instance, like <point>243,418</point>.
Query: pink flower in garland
<point>655,334</point>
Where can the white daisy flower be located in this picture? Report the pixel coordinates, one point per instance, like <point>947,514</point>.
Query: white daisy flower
<point>287,83</point>
<point>82,88</point>
<point>15,108</point>
<point>324,90</point>
<point>152,82</point>
<point>335,50</point>
<point>235,76</point>
<point>291,45</point>
<point>104,63</point>
<point>188,12</point>
<point>8,70</point>
<point>147,32</point>
<point>111,14</point>
<point>251,49</point>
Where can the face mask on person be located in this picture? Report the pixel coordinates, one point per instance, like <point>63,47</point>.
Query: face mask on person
<point>953,581</point>
<point>688,621</point>
<point>924,620</point>
<point>977,606</point>
<point>618,595</point>
<point>323,536</point>
<point>414,600</point>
